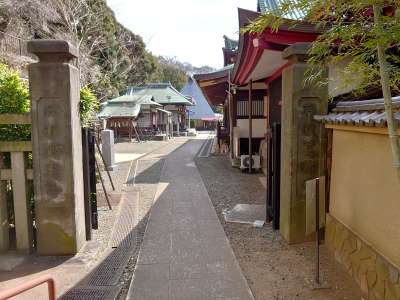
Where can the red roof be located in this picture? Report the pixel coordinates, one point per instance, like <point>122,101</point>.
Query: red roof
<point>260,54</point>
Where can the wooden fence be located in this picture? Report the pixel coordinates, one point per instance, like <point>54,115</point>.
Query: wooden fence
<point>18,175</point>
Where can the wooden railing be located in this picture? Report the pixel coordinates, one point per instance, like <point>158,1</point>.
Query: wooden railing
<point>18,175</point>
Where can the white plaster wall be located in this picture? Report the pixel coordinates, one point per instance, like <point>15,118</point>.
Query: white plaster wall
<point>259,127</point>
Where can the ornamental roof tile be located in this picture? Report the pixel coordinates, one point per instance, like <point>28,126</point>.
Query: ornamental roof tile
<point>362,113</point>
<point>230,43</point>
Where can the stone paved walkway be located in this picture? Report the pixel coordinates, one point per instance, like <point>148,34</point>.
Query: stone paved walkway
<point>185,254</point>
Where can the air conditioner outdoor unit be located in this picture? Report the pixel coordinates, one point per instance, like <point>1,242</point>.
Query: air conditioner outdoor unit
<point>245,161</point>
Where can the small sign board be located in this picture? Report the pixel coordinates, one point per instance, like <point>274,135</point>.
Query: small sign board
<point>311,201</point>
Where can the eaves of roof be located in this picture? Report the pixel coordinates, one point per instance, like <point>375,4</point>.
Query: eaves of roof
<point>361,113</point>
<point>249,54</point>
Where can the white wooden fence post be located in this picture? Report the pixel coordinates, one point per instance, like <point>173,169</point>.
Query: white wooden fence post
<point>23,217</point>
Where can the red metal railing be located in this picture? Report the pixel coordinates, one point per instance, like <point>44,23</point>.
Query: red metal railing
<point>30,285</point>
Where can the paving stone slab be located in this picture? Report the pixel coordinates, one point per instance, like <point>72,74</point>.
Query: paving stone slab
<point>184,237</point>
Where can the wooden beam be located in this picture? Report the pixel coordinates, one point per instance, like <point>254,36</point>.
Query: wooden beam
<point>22,146</point>
<point>23,218</point>
<point>12,119</point>
<point>212,82</point>
<point>6,174</point>
<point>256,86</point>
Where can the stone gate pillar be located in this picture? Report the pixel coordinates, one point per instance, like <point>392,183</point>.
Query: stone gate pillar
<point>57,148</point>
<point>302,141</point>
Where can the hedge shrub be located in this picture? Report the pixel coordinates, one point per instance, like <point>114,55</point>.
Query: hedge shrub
<point>14,98</point>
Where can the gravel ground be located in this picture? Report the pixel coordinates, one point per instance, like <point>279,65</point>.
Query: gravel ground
<point>273,269</point>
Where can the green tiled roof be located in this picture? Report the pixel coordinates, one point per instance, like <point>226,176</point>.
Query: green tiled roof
<point>163,93</point>
<point>138,99</point>
<point>125,106</point>
<point>272,7</point>
<point>119,109</point>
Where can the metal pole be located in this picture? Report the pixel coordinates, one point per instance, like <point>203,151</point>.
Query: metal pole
<point>317,232</point>
<point>105,165</point>
<point>93,179</point>
<point>250,108</point>
<point>86,183</point>
<point>102,184</point>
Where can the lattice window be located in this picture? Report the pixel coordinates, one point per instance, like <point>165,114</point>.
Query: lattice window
<point>257,109</point>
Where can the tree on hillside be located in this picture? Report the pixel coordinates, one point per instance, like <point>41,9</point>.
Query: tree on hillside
<point>101,39</point>
<point>167,70</point>
<point>111,56</point>
<point>364,32</point>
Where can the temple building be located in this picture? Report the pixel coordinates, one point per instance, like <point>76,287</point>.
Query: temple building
<point>263,96</point>
<point>170,99</point>
<point>128,116</point>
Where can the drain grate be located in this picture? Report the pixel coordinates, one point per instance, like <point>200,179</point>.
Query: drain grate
<point>110,270</point>
<point>123,233</point>
<point>92,293</point>
<point>205,150</point>
<point>132,172</point>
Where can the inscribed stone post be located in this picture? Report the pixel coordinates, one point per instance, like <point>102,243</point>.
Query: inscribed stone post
<point>303,142</point>
<point>57,148</point>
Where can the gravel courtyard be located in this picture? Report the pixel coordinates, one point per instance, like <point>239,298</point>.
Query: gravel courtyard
<point>273,269</point>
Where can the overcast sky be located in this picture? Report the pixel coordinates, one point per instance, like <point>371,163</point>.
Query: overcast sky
<point>190,30</point>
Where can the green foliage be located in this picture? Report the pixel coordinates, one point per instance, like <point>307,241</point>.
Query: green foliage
<point>88,106</point>
<point>348,34</point>
<point>111,56</point>
<point>14,98</point>
<point>218,109</point>
<point>169,70</point>
<point>120,54</point>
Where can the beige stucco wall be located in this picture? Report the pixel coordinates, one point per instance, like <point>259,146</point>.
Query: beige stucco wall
<point>258,129</point>
<point>365,193</point>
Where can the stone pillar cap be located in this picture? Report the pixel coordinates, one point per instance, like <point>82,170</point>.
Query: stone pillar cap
<point>52,50</point>
<point>297,49</point>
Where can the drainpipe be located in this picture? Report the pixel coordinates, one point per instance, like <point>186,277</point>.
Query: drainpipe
<point>250,106</point>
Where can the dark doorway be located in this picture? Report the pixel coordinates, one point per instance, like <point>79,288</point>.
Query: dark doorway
<point>274,152</point>
<point>274,176</point>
